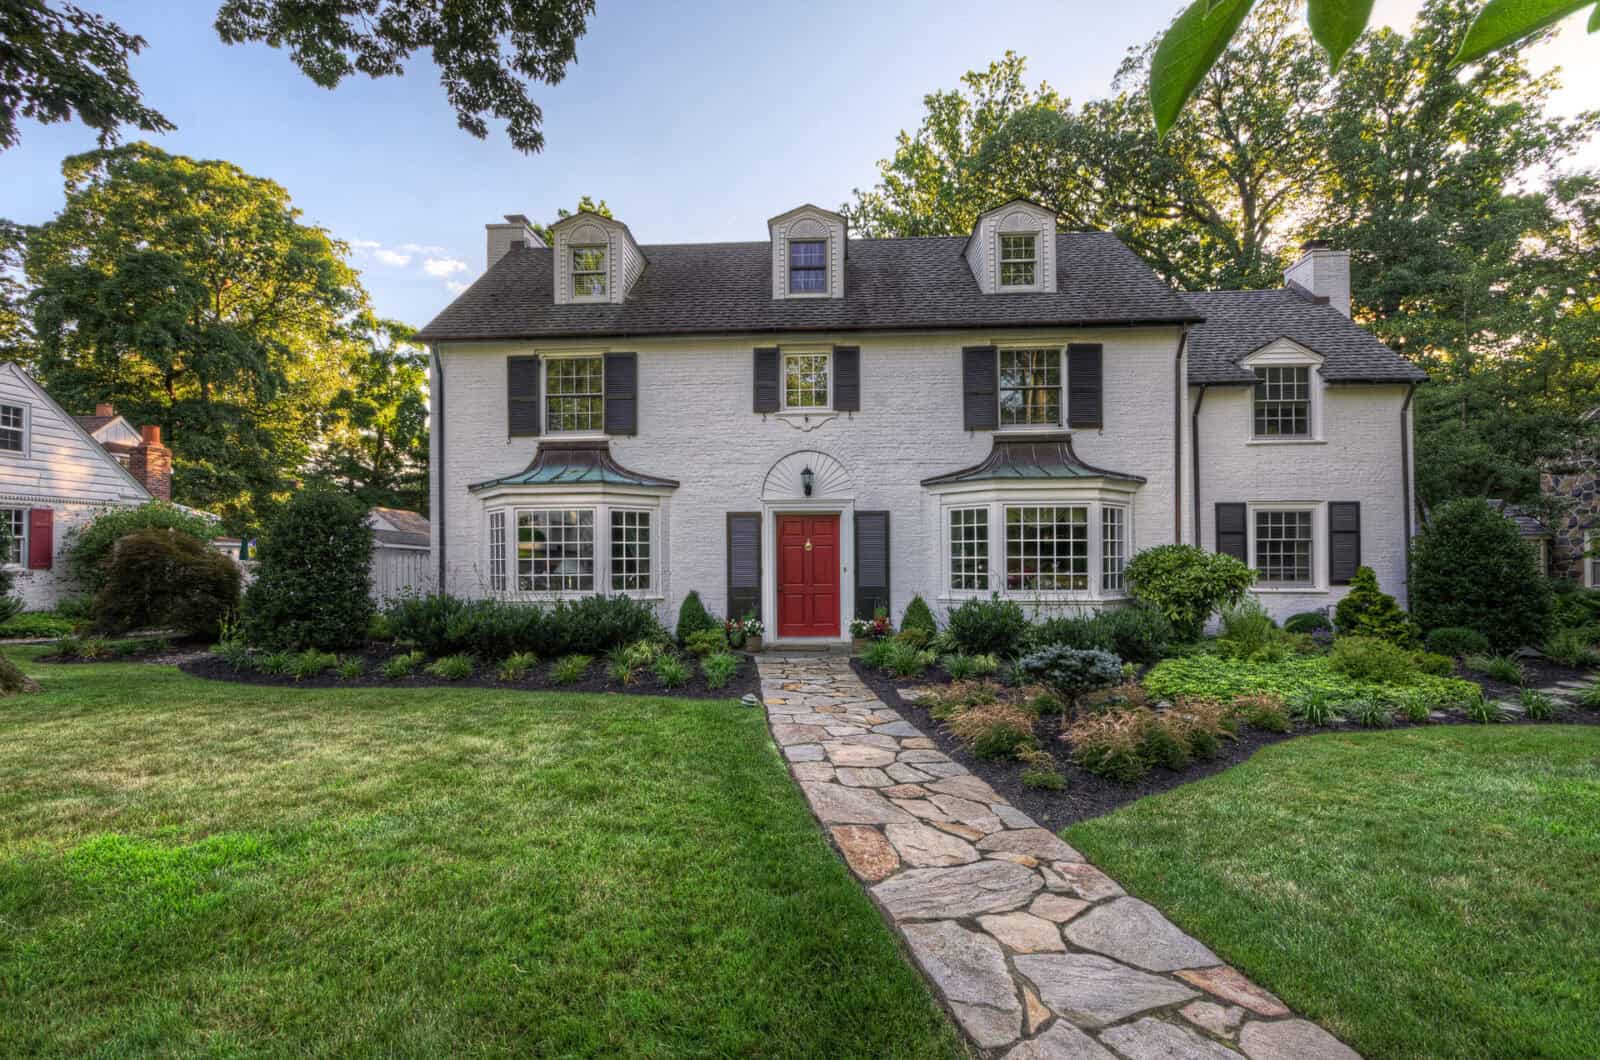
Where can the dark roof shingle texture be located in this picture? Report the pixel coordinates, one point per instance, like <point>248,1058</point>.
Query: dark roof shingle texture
<point>1240,322</point>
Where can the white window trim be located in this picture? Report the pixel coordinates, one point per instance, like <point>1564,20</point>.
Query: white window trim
<point>1319,544</point>
<point>784,353</point>
<point>1000,262</point>
<point>996,500</point>
<point>26,451</point>
<point>21,539</point>
<point>1590,539</point>
<point>604,271</point>
<point>545,360</point>
<point>827,267</point>
<point>602,503</point>
<point>1061,405</point>
<point>1285,353</point>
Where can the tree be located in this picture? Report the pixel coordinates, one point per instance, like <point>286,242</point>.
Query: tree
<point>376,444</point>
<point>313,582</point>
<point>1471,569</point>
<point>586,204</point>
<point>16,330</point>
<point>190,294</point>
<point>56,62</point>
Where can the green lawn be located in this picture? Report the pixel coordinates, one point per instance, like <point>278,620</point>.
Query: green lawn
<point>1422,893</point>
<point>198,868</point>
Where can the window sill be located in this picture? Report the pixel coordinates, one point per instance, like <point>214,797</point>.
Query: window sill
<point>1077,597</point>
<point>1303,590</point>
<point>1287,441</point>
<point>577,436</point>
<point>801,413</point>
<point>534,597</point>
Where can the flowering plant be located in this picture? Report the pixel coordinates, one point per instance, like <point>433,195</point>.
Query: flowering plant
<point>752,626</point>
<point>875,628</point>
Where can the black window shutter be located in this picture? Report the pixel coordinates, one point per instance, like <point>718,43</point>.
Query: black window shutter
<point>622,393</point>
<point>1085,374</point>
<point>522,396</point>
<point>872,563</point>
<point>1230,531</point>
<point>744,564</point>
<point>979,408</point>
<point>1344,541</point>
<point>847,378</point>
<point>766,394</point>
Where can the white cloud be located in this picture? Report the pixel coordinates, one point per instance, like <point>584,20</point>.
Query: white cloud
<point>365,244</point>
<point>443,266</point>
<point>386,256</point>
<point>455,286</point>
<point>423,248</point>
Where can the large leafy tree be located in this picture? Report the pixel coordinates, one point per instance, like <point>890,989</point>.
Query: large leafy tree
<point>57,61</point>
<point>191,295</point>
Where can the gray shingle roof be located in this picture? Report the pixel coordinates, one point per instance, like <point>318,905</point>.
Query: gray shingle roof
<point>923,282</point>
<point>1237,323</point>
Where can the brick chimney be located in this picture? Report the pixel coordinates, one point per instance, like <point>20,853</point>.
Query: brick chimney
<point>1323,273</point>
<point>104,410</point>
<point>151,463</point>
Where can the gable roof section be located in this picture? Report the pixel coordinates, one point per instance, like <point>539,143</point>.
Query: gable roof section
<point>1238,323</point>
<point>701,288</point>
<point>99,451</point>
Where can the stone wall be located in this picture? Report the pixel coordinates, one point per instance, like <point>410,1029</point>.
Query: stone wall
<point>1579,484</point>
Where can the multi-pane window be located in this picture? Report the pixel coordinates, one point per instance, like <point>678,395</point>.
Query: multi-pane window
<point>575,389</point>
<point>12,425</point>
<point>1030,387</point>
<point>1113,548</point>
<point>630,551</point>
<point>1283,547</point>
<point>1018,260</point>
<point>969,549</point>
<point>1591,561</point>
<point>808,266</point>
<point>555,551</point>
<point>17,522</point>
<point>497,551</point>
<point>589,272</point>
<point>805,380</point>
<point>1047,549</point>
<point>1283,402</point>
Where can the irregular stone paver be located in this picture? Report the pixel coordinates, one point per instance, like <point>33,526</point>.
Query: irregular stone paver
<point>998,911</point>
<point>1134,933</point>
<point>1153,1039</point>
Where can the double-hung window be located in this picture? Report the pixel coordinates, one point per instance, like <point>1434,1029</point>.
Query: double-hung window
<point>1018,260</point>
<point>1283,402</point>
<point>1030,387</point>
<point>589,271</point>
<point>1047,548</point>
<point>630,551</point>
<point>13,428</point>
<point>575,394</point>
<point>1591,561</point>
<point>1283,542</point>
<point>969,549</point>
<point>805,380</point>
<point>808,266</point>
<point>1113,548</point>
<point>17,522</point>
<point>497,552</point>
<point>555,550</point>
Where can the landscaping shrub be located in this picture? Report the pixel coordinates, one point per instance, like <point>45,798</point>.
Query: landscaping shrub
<point>350,669</point>
<point>1372,660</point>
<point>451,668</point>
<point>234,652</point>
<point>13,681</point>
<point>1574,605</point>
<point>31,623</point>
<point>1308,622</point>
<point>495,629</point>
<point>1129,693</point>
<point>719,669</point>
<point>621,668</point>
<point>1248,632</point>
<point>1537,705</point>
<point>312,584</point>
<point>988,627</point>
<point>1573,647</point>
<point>670,671</point>
<point>1433,663</point>
<point>876,654</point>
<point>1046,703</point>
<point>1111,745</point>
<point>1071,672</point>
<point>1368,611</point>
<point>1483,710</point>
<point>1456,641</point>
<point>1317,707</point>
<point>166,579</point>
<point>985,665</point>
<point>517,666</point>
<point>569,669</point>
<point>1187,584</point>
<point>593,625</point>
<point>1043,779</point>
<point>1589,698</point>
<point>397,666</point>
<point>1210,677</point>
<point>1368,713</point>
<point>90,546</point>
<point>1139,633</point>
<point>693,618</point>
<point>958,667</point>
<point>993,730</point>
<point>1502,668</point>
<point>706,642</point>
<point>1163,742</point>
<point>311,663</point>
<point>1470,567</point>
<point>1262,710</point>
<point>905,660</point>
<point>1414,707</point>
<point>919,616</point>
<point>276,663</point>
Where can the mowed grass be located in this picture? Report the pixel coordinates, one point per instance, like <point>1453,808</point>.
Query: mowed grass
<point>194,868</point>
<point>1421,893</point>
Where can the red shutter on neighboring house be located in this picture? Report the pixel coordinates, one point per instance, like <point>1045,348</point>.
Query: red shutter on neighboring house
<point>41,538</point>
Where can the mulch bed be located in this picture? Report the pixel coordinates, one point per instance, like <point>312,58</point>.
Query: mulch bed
<point>212,668</point>
<point>1087,795</point>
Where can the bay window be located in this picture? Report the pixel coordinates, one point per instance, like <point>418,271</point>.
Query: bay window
<point>969,549</point>
<point>630,551</point>
<point>573,549</point>
<point>497,551</point>
<point>1073,545</point>
<point>1047,549</point>
<point>555,550</point>
<point>1113,548</point>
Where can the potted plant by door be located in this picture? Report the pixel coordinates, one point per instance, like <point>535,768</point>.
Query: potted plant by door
<point>864,631</point>
<point>751,629</point>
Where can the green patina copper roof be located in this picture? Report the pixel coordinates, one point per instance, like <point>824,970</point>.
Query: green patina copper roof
<point>1035,456</point>
<point>576,464</point>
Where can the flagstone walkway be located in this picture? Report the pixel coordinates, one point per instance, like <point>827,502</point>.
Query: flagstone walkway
<point>1038,954</point>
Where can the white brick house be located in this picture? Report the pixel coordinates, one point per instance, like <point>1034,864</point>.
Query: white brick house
<point>810,426</point>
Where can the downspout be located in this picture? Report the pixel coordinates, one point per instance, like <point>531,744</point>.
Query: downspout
<point>1194,455</point>
<point>1405,463</point>
<point>1179,391</point>
<point>438,468</point>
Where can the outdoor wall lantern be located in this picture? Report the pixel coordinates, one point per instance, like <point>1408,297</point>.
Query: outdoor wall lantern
<point>808,479</point>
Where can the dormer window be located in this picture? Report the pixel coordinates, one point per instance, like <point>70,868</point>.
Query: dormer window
<point>1018,260</point>
<point>589,271</point>
<point>808,266</point>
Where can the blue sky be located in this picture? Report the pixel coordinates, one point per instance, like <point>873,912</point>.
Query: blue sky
<point>696,121</point>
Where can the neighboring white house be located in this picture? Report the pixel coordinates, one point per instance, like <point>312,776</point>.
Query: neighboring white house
<point>400,553</point>
<point>55,476</point>
<point>812,426</point>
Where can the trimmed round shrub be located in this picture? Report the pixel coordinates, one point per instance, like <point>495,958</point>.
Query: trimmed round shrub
<point>1456,641</point>
<point>1371,659</point>
<point>1071,672</point>
<point>1368,611</point>
<point>312,587</point>
<point>988,627</point>
<point>1470,567</point>
<point>694,618</point>
<point>1137,633</point>
<point>919,616</point>
<point>1308,622</point>
<point>1187,584</point>
<point>90,545</point>
<point>166,579</point>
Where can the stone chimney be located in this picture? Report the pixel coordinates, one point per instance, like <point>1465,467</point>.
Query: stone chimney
<point>516,231</point>
<point>104,410</point>
<point>1323,273</point>
<point>151,463</point>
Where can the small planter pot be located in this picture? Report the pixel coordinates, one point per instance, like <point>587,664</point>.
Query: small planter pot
<point>752,644</point>
<point>858,645</point>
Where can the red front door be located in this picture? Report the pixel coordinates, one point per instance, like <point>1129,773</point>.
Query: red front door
<point>808,575</point>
